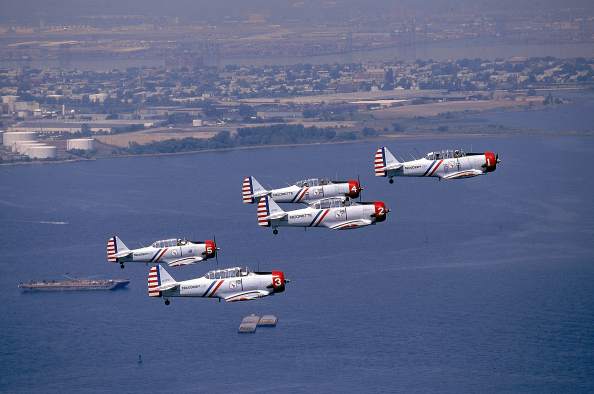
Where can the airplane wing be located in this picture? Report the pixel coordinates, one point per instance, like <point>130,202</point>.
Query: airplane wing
<point>463,174</point>
<point>185,261</point>
<point>167,286</point>
<point>350,224</point>
<point>246,296</point>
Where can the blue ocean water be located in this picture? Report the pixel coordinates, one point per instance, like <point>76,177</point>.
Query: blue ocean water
<point>482,284</point>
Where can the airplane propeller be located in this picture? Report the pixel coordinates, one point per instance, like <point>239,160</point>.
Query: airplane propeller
<point>216,248</point>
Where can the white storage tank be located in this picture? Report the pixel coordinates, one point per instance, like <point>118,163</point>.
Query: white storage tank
<point>15,147</point>
<point>23,147</point>
<point>10,137</point>
<point>42,152</point>
<point>80,143</point>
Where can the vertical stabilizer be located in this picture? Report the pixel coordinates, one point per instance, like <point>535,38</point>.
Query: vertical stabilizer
<point>268,210</point>
<point>115,245</point>
<point>251,188</point>
<point>383,159</point>
<point>263,212</point>
<point>158,277</point>
<point>154,282</point>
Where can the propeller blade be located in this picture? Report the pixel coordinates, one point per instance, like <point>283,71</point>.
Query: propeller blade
<point>214,237</point>
<point>360,188</point>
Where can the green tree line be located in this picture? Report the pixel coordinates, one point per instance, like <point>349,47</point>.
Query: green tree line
<point>280,134</point>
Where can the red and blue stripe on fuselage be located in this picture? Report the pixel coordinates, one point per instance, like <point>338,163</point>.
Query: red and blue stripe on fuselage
<point>430,172</point>
<point>319,217</point>
<point>220,282</point>
<point>300,194</point>
<point>158,255</point>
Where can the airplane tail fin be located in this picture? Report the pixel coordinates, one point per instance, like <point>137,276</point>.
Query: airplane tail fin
<point>268,208</point>
<point>115,245</point>
<point>251,188</point>
<point>383,159</point>
<point>158,277</point>
<point>154,281</point>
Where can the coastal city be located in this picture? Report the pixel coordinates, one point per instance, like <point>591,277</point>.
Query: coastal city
<point>187,79</point>
<point>119,110</point>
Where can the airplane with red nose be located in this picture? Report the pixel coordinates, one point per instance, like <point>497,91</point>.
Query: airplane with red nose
<point>231,284</point>
<point>174,252</point>
<point>304,191</point>
<point>446,164</point>
<point>336,213</point>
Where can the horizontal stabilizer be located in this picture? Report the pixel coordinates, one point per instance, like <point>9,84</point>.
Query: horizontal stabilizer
<point>393,166</point>
<point>248,295</point>
<point>261,194</point>
<point>125,253</point>
<point>168,286</point>
<point>278,215</point>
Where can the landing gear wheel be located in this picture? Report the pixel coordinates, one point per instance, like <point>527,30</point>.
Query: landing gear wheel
<point>275,231</point>
<point>167,302</point>
<point>391,180</point>
<point>122,266</point>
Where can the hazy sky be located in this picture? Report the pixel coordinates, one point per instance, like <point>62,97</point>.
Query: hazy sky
<point>66,11</point>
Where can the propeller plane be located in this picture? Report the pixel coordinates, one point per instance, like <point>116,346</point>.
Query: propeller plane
<point>231,284</point>
<point>303,191</point>
<point>174,252</point>
<point>446,164</point>
<point>336,213</point>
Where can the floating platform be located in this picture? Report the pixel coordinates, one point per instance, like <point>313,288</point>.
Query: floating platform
<point>248,324</point>
<point>267,321</point>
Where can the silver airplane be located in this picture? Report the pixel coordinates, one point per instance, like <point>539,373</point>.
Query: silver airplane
<point>303,191</point>
<point>231,284</point>
<point>172,251</point>
<point>447,164</point>
<point>336,213</point>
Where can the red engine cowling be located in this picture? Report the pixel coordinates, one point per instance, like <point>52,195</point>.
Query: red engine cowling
<point>278,281</point>
<point>354,189</point>
<point>380,211</point>
<point>490,161</point>
<point>209,248</point>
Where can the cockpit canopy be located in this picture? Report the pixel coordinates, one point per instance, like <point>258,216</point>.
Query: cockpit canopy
<point>445,154</point>
<point>332,202</point>
<point>312,182</point>
<point>234,272</point>
<point>167,243</point>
